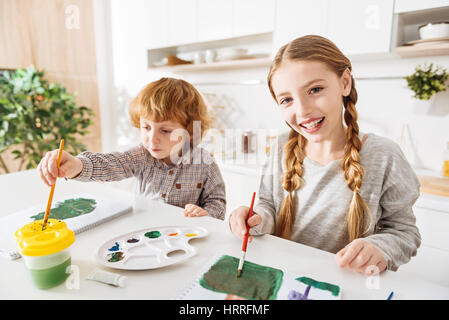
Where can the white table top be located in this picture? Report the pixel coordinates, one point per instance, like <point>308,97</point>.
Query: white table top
<point>23,189</point>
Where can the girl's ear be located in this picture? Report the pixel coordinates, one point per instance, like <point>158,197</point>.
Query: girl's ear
<point>346,79</point>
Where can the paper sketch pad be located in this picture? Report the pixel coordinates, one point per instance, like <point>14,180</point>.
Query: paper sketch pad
<point>81,212</point>
<point>218,280</point>
<point>255,282</point>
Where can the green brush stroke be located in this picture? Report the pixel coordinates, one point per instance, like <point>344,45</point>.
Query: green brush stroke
<point>335,290</point>
<point>69,208</point>
<point>255,282</point>
<point>153,234</point>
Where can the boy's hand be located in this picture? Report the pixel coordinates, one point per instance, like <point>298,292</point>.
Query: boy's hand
<point>68,167</point>
<point>237,221</point>
<point>361,256</point>
<point>192,210</point>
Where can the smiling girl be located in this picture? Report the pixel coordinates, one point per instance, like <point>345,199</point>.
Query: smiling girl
<point>327,185</point>
<point>168,164</point>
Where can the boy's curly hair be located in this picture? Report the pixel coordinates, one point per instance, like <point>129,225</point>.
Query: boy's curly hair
<point>170,99</point>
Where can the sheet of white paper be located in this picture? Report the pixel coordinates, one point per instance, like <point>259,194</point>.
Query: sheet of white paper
<point>196,292</point>
<point>105,210</point>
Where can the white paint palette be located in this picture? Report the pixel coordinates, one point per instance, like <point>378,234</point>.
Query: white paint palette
<point>149,248</point>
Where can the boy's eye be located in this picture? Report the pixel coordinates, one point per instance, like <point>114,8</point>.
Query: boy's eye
<point>165,131</point>
<point>146,128</point>
<point>315,90</point>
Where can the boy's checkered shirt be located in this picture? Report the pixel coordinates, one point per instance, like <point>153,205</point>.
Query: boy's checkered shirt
<point>194,179</point>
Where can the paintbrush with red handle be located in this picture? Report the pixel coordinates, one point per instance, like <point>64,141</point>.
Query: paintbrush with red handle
<point>245,238</point>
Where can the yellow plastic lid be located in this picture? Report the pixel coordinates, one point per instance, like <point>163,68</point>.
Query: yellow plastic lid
<point>33,241</point>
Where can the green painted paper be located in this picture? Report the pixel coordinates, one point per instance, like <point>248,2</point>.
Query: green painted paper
<point>256,282</point>
<point>335,290</point>
<point>69,208</point>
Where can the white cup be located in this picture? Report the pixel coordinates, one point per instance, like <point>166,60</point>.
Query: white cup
<point>198,57</point>
<point>211,56</point>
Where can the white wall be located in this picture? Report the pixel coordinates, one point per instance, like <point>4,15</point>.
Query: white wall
<point>384,105</point>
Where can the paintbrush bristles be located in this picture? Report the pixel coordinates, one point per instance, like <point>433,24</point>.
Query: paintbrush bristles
<point>238,273</point>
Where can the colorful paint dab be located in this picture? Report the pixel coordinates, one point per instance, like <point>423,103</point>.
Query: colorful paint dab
<point>295,295</point>
<point>153,234</point>
<point>132,240</point>
<point>116,247</point>
<point>191,234</point>
<point>116,256</point>
<point>173,234</point>
<point>335,290</point>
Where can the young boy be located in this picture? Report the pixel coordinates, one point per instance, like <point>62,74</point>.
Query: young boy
<point>171,116</point>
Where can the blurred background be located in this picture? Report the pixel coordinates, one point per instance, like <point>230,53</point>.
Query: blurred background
<point>104,52</point>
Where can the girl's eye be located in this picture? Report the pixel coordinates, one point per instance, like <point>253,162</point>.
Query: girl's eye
<point>285,101</point>
<point>165,131</point>
<point>146,128</point>
<point>315,90</point>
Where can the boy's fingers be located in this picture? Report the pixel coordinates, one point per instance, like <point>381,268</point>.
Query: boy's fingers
<point>46,173</point>
<point>52,164</point>
<point>41,174</point>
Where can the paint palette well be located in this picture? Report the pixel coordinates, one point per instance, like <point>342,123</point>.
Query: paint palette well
<point>149,248</point>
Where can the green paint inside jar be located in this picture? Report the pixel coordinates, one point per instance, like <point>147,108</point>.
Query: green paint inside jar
<point>50,277</point>
<point>153,234</point>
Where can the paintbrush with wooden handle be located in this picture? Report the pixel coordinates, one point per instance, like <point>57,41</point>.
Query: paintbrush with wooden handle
<point>52,190</point>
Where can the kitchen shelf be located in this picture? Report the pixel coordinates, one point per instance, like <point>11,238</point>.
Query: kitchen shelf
<point>423,50</point>
<point>219,65</point>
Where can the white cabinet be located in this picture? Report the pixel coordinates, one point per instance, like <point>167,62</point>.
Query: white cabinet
<point>253,16</point>
<point>401,6</point>
<point>178,22</point>
<point>214,19</point>
<point>182,21</point>
<point>298,18</point>
<point>156,13</point>
<point>361,26</point>
<point>218,19</point>
<point>356,26</point>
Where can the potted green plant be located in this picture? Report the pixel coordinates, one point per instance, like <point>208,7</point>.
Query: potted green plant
<point>35,115</point>
<point>426,82</point>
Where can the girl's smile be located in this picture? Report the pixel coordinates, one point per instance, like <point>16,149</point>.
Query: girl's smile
<point>310,97</point>
<point>312,125</point>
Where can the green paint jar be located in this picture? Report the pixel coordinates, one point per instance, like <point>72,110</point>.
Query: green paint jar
<point>46,253</point>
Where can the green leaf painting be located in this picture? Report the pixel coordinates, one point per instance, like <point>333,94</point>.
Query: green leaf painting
<point>256,283</point>
<point>335,290</point>
<point>69,208</point>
